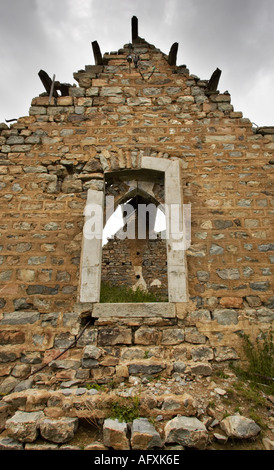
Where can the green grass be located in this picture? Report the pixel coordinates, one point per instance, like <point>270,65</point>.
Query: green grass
<point>250,394</point>
<point>123,294</point>
<point>260,366</point>
<point>98,387</point>
<point>125,410</point>
<point>257,418</point>
<point>221,374</point>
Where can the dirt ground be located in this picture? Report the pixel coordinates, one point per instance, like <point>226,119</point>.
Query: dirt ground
<point>220,395</point>
<point>216,396</point>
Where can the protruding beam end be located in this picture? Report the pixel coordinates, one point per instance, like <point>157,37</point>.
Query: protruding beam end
<point>134,28</point>
<point>97,53</point>
<point>47,82</point>
<point>214,81</point>
<point>172,57</point>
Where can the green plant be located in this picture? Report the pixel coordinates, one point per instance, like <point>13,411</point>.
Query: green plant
<point>123,294</point>
<point>257,418</point>
<point>260,365</point>
<point>97,387</point>
<point>221,374</point>
<point>238,410</point>
<point>230,397</point>
<point>112,385</point>
<point>251,394</point>
<point>230,393</point>
<point>125,410</point>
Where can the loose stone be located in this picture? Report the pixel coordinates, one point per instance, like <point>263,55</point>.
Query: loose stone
<point>144,436</point>
<point>239,427</point>
<point>58,430</point>
<point>186,431</point>
<point>115,434</point>
<point>24,426</point>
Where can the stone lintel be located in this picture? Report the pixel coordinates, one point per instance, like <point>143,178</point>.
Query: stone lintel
<point>133,310</point>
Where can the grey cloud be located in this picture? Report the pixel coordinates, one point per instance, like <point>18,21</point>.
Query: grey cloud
<point>234,35</point>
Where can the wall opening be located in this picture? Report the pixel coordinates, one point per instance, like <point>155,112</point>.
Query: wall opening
<point>134,246</point>
<point>115,223</point>
<point>157,183</point>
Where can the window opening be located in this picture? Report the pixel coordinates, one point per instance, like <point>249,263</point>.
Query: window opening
<point>156,179</point>
<point>134,245</point>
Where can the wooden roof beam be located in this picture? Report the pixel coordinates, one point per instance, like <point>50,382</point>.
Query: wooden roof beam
<point>97,53</point>
<point>172,57</point>
<point>214,81</point>
<point>134,28</point>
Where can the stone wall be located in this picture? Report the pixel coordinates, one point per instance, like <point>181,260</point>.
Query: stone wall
<point>39,350</point>
<point>48,161</point>
<point>135,263</point>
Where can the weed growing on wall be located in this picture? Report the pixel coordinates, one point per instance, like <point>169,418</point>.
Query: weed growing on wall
<point>125,411</point>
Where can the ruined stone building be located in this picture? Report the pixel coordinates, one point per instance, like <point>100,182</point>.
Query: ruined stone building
<point>142,129</point>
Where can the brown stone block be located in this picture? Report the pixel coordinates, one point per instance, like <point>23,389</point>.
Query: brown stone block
<point>147,336</point>
<point>36,399</point>
<point>231,302</point>
<point>253,301</point>
<point>99,82</point>
<point>208,107</point>
<point>26,275</point>
<point>109,361</point>
<point>26,120</point>
<point>10,289</point>
<point>236,114</point>
<point>65,374</point>
<point>114,434</point>
<point>11,337</point>
<point>121,372</point>
<point>51,354</point>
<point>15,170</point>
<point>101,374</point>
<point>116,61</point>
<point>112,336</point>
<point>65,100</point>
<point>184,404</point>
<point>4,413</point>
<point>5,370</point>
<point>42,101</point>
<point>182,309</point>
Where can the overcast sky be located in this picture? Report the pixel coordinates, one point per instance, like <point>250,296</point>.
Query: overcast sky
<point>55,35</point>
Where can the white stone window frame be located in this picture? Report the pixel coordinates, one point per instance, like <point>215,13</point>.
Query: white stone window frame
<point>91,256</point>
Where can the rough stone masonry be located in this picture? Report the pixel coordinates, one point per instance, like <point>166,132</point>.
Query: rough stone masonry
<point>75,142</point>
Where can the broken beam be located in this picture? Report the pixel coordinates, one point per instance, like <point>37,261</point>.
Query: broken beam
<point>97,53</point>
<point>64,88</point>
<point>172,57</point>
<point>134,28</point>
<point>47,82</point>
<point>214,81</point>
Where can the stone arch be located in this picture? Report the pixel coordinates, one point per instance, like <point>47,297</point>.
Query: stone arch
<point>124,159</point>
<point>171,170</point>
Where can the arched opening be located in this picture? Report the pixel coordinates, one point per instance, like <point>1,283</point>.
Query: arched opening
<point>156,179</point>
<point>116,223</point>
<point>134,246</point>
